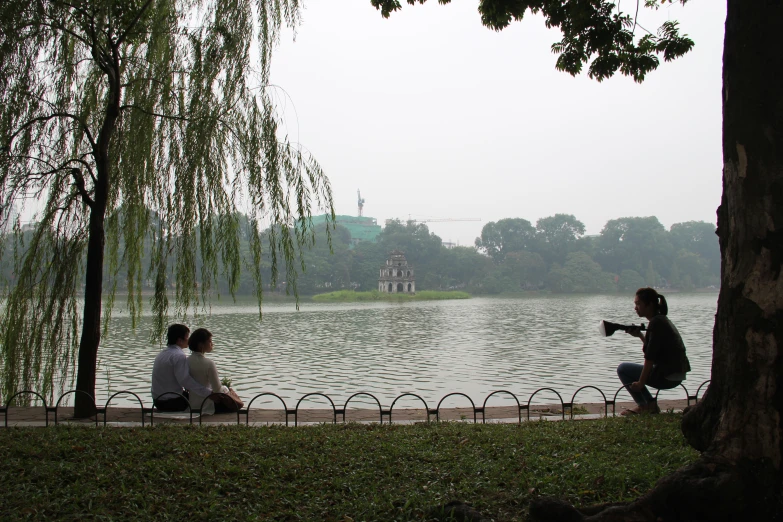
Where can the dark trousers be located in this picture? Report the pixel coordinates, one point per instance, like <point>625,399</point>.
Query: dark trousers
<point>629,373</point>
<point>172,402</point>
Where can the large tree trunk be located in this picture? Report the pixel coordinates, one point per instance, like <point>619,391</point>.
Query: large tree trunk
<point>740,416</point>
<point>91,319</point>
<point>93,286</point>
<point>738,424</point>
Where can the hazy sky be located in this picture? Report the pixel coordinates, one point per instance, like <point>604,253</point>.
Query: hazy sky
<point>432,115</point>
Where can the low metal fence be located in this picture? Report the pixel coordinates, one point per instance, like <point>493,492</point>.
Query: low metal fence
<point>288,413</point>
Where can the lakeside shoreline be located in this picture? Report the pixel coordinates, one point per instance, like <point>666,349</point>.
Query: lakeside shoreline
<point>35,415</point>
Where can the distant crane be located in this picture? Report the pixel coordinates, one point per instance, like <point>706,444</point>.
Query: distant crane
<point>361,202</point>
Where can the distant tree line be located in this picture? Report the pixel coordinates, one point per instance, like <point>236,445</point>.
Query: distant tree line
<point>511,255</point>
<point>514,255</point>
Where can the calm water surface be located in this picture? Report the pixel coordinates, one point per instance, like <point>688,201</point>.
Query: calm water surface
<point>430,348</point>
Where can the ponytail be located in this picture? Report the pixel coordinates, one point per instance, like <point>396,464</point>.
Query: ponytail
<point>651,296</point>
<point>663,308</point>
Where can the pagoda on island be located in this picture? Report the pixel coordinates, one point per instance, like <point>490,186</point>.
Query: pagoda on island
<point>397,275</point>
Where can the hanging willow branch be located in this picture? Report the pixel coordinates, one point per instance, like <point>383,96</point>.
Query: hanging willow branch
<point>144,124</point>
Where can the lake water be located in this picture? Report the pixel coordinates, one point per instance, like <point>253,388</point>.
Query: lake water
<point>430,348</point>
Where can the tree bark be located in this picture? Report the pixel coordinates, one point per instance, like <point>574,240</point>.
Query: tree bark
<point>93,286</point>
<point>740,417</point>
<point>737,425</point>
<point>91,316</point>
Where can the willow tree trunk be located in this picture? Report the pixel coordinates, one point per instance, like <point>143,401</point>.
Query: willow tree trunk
<point>91,317</point>
<point>738,424</point>
<point>93,285</point>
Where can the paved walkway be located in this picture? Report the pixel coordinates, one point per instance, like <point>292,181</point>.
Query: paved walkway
<point>36,416</point>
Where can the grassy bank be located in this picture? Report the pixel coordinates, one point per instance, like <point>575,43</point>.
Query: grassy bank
<point>347,472</point>
<point>350,296</point>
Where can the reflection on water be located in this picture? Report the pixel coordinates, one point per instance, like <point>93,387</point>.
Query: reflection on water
<point>430,348</point>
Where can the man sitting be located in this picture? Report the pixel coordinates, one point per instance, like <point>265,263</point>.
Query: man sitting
<point>171,373</point>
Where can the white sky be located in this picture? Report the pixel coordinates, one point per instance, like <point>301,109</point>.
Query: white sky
<point>433,115</point>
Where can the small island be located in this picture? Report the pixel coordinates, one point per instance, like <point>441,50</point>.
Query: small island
<point>396,283</point>
<point>350,296</point>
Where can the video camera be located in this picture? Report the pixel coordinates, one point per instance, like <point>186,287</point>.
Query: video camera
<point>606,328</point>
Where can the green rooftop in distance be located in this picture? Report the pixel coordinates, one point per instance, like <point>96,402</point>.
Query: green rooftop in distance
<point>361,228</point>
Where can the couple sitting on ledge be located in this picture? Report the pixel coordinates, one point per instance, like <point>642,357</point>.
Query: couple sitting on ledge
<point>179,382</point>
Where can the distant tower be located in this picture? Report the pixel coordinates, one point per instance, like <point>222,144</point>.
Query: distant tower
<point>361,202</point>
<point>397,275</point>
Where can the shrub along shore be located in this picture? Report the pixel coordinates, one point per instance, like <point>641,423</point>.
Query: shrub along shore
<point>350,296</point>
<point>344,472</point>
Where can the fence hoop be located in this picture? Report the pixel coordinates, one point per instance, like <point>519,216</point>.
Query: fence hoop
<point>26,392</point>
<point>484,406</point>
<point>437,408</point>
<point>707,382</point>
<point>306,395</point>
<point>562,404</point>
<point>263,394</point>
<point>606,404</point>
<point>94,406</point>
<point>687,396</point>
<point>614,400</point>
<point>380,408</point>
<point>409,394</point>
<point>126,392</point>
<point>155,405</point>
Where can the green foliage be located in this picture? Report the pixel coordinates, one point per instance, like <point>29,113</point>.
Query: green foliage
<point>142,126</point>
<point>698,237</point>
<point>594,32</point>
<point>524,270</point>
<point>506,235</point>
<point>47,269</point>
<point>559,235</point>
<point>361,472</point>
<point>632,243</point>
<point>630,281</point>
<point>580,274</point>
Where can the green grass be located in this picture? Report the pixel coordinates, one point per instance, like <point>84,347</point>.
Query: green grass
<point>365,472</point>
<point>349,296</point>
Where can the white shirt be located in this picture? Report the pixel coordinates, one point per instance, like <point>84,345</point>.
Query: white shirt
<point>205,372</point>
<point>170,373</point>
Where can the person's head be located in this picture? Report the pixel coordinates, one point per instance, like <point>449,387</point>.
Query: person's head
<point>649,303</point>
<point>200,341</point>
<point>178,334</point>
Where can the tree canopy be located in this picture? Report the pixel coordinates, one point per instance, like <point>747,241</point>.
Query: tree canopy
<point>595,33</point>
<point>132,126</point>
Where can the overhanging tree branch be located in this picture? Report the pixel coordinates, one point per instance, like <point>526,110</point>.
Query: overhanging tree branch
<point>49,117</point>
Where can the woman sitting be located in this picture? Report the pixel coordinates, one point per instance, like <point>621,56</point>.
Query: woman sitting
<point>205,372</point>
<point>665,362</point>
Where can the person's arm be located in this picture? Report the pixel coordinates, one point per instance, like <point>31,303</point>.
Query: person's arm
<point>651,347</point>
<point>646,371</point>
<point>636,332</point>
<point>214,379</point>
<point>182,374</point>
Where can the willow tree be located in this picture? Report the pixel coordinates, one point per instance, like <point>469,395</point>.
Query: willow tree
<point>738,426</point>
<point>133,122</point>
